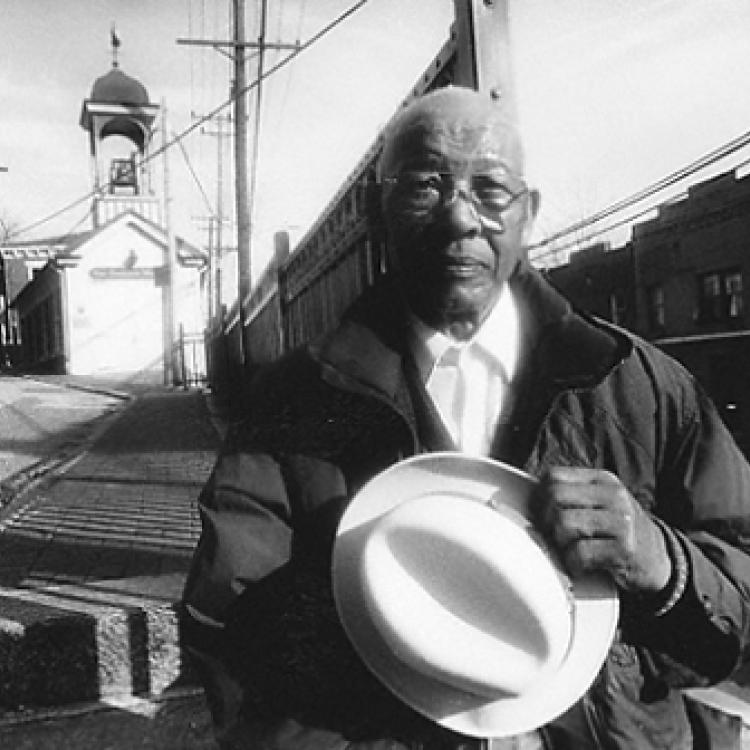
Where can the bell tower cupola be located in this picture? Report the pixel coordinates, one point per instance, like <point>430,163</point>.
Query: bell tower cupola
<point>119,119</point>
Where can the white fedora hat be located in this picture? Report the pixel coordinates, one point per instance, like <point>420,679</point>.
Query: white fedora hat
<point>455,603</point>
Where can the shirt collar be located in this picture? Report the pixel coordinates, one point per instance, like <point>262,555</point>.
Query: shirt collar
<point>497,337</point>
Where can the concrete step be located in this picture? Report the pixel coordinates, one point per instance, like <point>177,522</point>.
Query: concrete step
<point>88,585</point>
<point>60,646</point>
<point>94,556</point>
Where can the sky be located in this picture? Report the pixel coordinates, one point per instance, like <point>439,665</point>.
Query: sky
<point>612,95</point>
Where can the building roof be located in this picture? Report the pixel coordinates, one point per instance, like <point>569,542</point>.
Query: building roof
<point>117,87</point>
<point>187,254</point>
<point>67,248</point>
<point>12,249</point>
<point>121,102</point>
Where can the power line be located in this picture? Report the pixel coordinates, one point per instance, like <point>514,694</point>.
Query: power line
<point>73,229</point>
<point>704,161</point>
<point>197,181</point>
<point>210,115</point>
<point>290,75</point>
<point>593,235</point>
<point>192,59</point>
<point>53,215</point>
<point>301,19</point>
<point>279,19</point>
<point>284,61</point>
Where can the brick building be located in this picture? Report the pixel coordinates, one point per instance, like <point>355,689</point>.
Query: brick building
<point>682,282</point>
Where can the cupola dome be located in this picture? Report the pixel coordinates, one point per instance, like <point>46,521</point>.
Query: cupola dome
<point>117,87</point>
<point>118,105</point>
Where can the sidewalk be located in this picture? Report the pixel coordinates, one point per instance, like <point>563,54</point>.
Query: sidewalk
<point>92,561</point>
<point>94,558</point>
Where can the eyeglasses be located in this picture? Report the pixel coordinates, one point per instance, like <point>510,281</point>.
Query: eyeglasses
<point>421,192</point>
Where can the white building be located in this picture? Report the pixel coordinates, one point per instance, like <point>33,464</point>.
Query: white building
<point>108,302</point>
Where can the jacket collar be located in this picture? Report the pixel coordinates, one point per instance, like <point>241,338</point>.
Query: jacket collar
<point>367,350</point>
<point>574,349</point>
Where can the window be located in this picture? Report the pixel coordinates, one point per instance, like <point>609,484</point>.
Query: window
<point>16,325</point>
<point>121,174</point>
<point>617,307</point>
<point>720,296</point>
<point>733,287</point>
<point>656,316</point>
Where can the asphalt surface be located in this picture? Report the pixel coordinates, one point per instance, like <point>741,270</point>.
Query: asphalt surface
<point>97,533</point>
<point>42,423</point>
<point>178,723</point>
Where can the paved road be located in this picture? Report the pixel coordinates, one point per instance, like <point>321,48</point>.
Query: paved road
<point>41,421</point>
<point>93,558</point>
<point>180,723</point>
<point>116,529</point>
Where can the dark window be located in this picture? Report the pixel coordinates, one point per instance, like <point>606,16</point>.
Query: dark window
<point>121,173</point>
<point>720,296</point>
<point>617,308</point>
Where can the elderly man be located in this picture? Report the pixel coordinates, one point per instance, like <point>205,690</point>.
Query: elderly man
<point>639,479</point>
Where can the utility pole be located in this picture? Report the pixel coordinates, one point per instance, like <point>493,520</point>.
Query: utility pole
<point>240,157</point>
<point>213,305</point>
<point>256,131</point>
<point>219,252</point>
<point>207,224</point>
<point>243,196</point>
<point>217,221</point>
<point>171,265</point>
<point>4,340</point>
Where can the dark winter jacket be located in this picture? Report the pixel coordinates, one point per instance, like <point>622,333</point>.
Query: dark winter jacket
<point>326,419</point>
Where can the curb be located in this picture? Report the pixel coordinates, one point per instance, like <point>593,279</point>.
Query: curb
<point>15,486</point>
<point>54,656</point>
<point>131,703</point>
<point>65,644</point>
<point>178,719</point>
<point>100,391</point>
<point>83,387</point>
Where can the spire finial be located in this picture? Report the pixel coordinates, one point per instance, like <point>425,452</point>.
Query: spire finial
<point>115,45</point>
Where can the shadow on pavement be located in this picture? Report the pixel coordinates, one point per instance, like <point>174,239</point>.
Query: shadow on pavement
<point>81,620</point>
<point>94,559</point>
<point>177,724</point>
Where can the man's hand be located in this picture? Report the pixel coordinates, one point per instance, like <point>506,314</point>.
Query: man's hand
<point>595,524</point>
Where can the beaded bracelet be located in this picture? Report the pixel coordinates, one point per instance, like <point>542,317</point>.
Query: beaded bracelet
<point>680,570</point>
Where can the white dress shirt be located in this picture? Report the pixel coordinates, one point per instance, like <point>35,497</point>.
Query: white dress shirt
<point>467,380</point>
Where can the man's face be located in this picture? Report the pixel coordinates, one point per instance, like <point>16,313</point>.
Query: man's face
<point>456,209</point>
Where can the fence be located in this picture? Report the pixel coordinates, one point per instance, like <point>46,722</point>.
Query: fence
<point>190,359</point>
